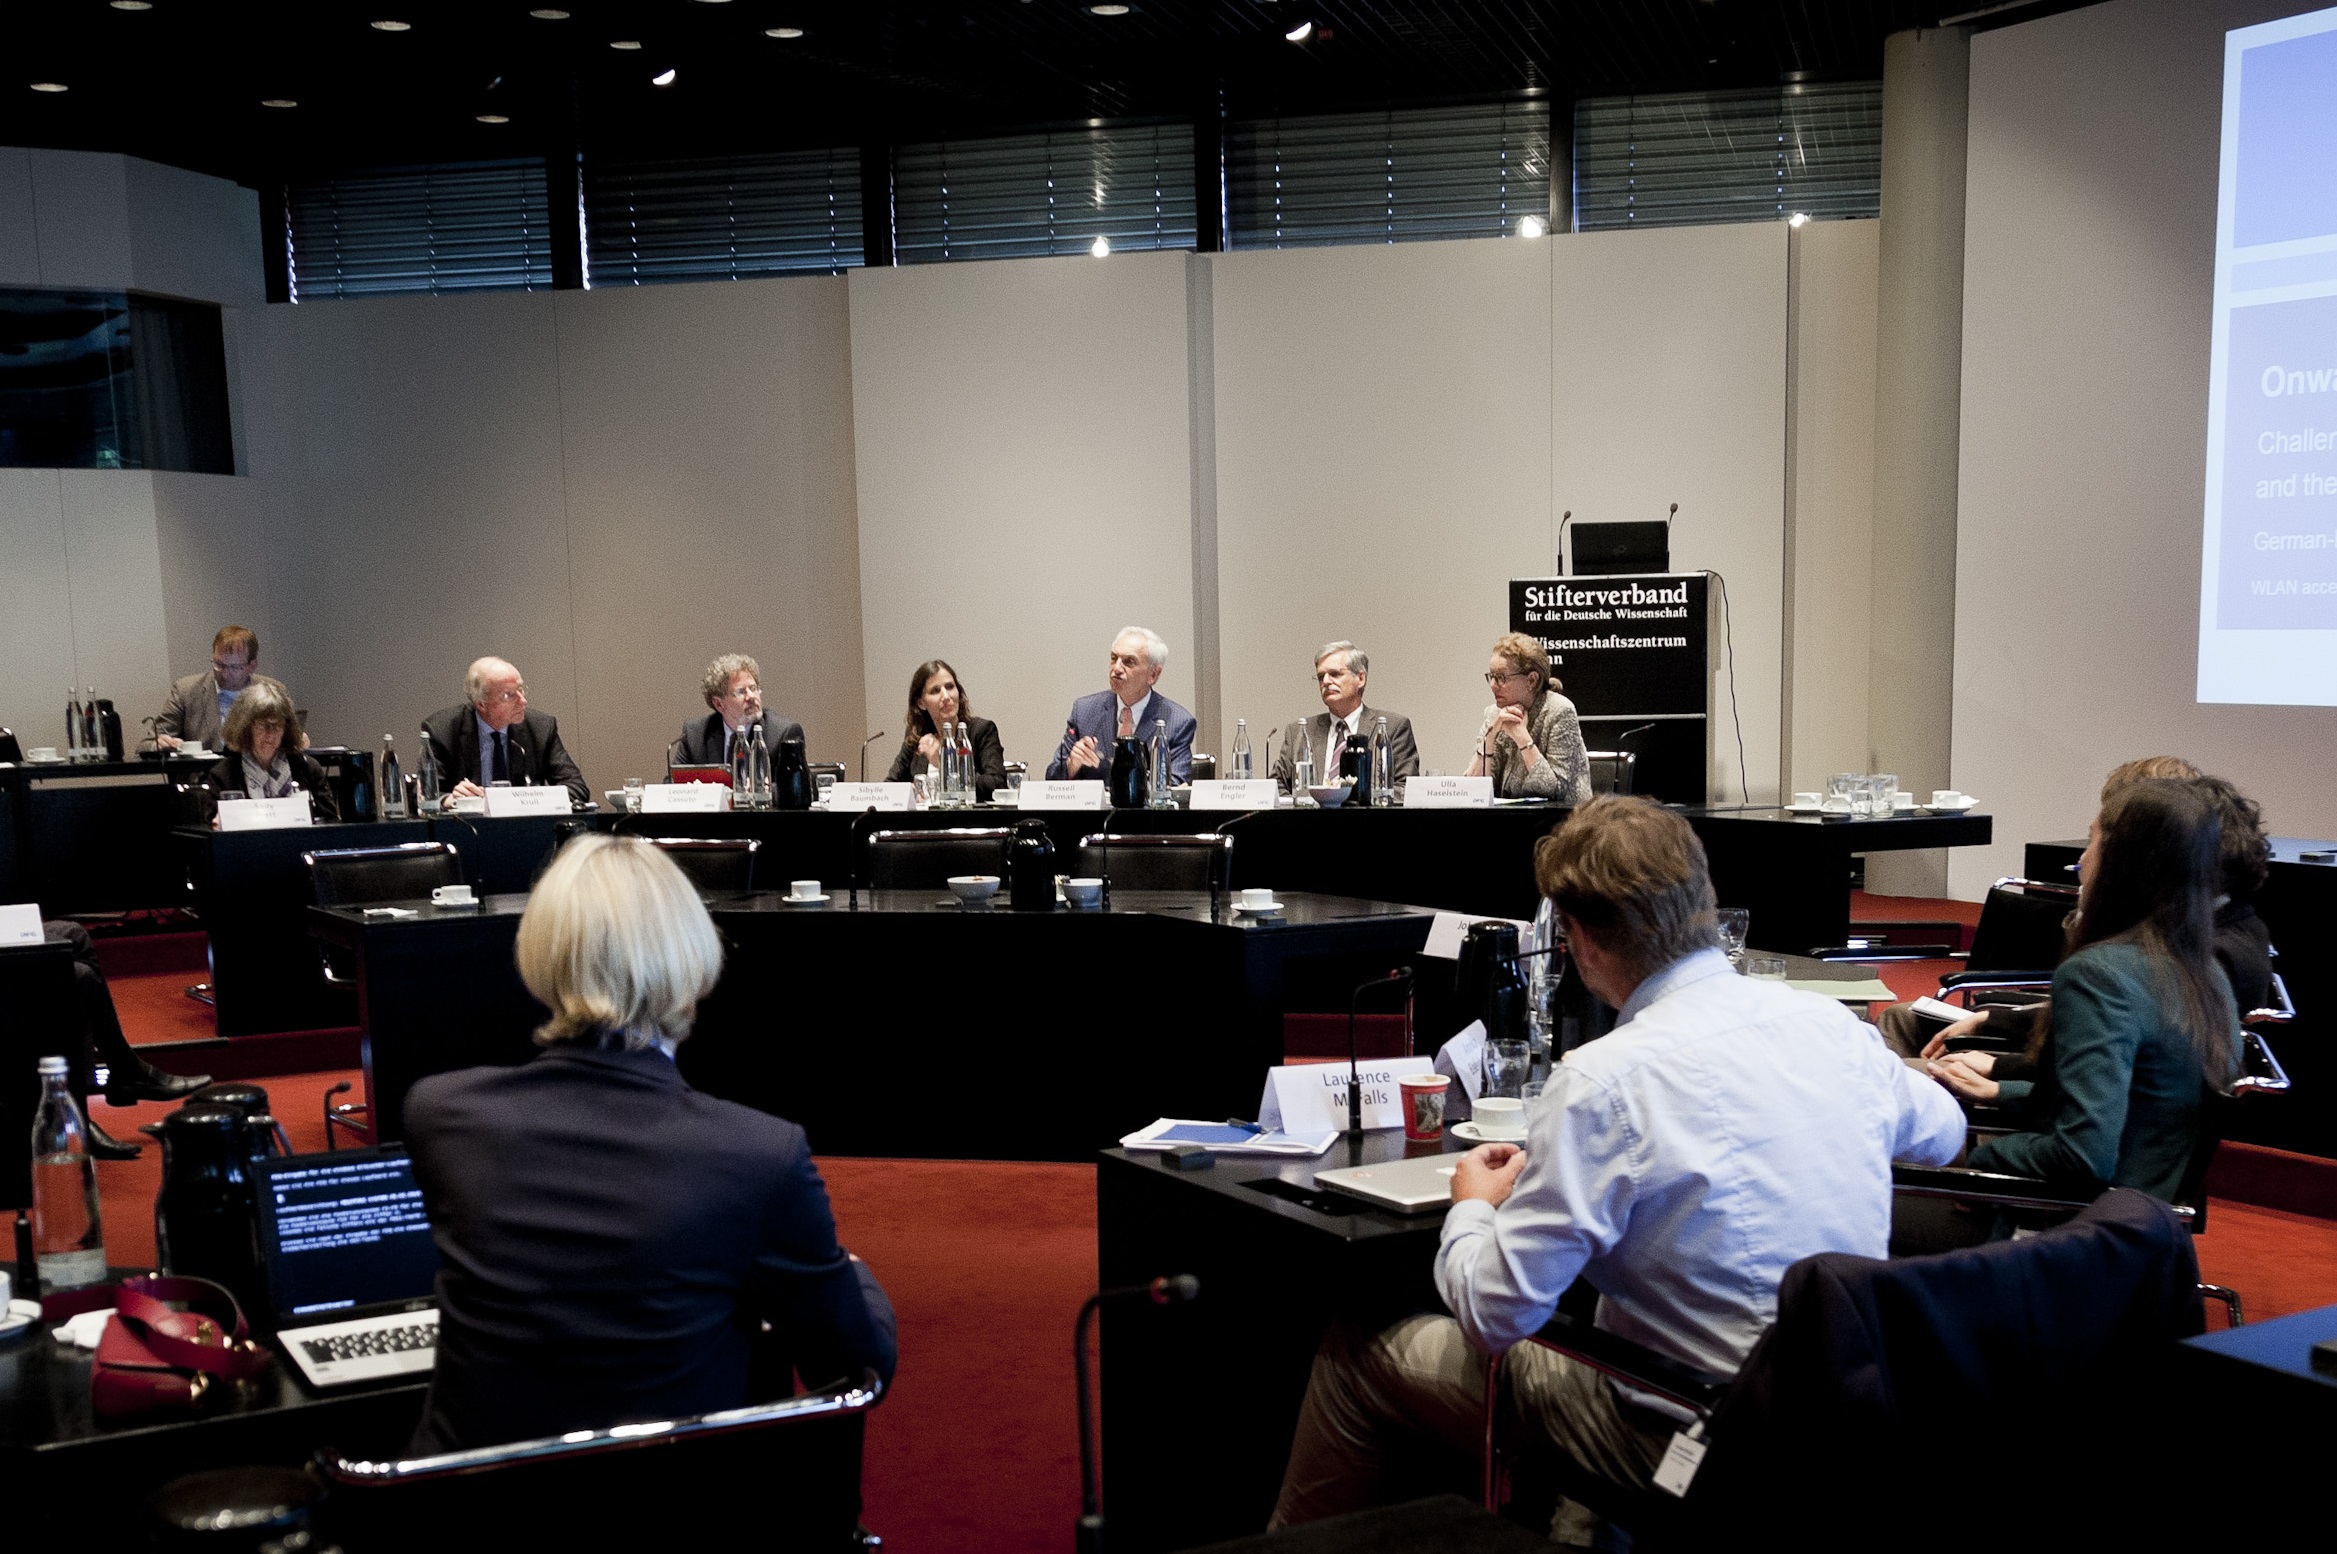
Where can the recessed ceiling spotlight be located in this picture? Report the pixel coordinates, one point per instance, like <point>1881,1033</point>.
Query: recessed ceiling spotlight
<point>492,118</point>
<point>549,13</point>
<point>783,32</point>
<point>1800,218</point>
<point>626,43</point>
<point>1301,32</point>
<point>278,102</point>
<point>50,86</point>
<point>393,26</point>
<point>662,78</point>
<point>1108,10</point>
<point>1101,247</point>
<point>131,5</point>
<point>1531,226</point>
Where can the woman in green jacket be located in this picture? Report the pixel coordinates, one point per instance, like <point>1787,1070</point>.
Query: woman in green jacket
<point>2142,1025</point>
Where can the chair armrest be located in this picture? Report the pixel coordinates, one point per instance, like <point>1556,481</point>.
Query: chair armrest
<point>2260,1071</point>
<point>1995,1188</point>
<point>1996,981</point>
<point>1883,954</point>
<point>1634,1365</point>
<point>1981,1041</point>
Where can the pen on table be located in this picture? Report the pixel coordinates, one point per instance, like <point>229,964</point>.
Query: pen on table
<point>1246,1127</point>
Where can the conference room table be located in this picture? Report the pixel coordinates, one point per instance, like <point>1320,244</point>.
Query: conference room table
<point>901,1023</point>
<point>1791,871</point>
<point>88,836</point>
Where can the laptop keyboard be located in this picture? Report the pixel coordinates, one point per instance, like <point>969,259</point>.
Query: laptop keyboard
<point>376,1341</point>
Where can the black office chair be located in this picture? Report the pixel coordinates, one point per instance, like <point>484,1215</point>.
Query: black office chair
<point>366,876</point>
<point>1613,771</point>
<point>603,1489</point>
<point>922,860</point>
<point>717,866</point>
<point>1188,863</point>
<point>2015,946</point>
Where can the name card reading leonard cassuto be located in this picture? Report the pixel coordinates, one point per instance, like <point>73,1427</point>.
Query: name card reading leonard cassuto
<point>684,798</point>
<point>1235,793</point>
<point>885,797</point>
<point>503,803</point>
<point>265,814</point>
<point>1308,1097</point>
<point>1062,795</point>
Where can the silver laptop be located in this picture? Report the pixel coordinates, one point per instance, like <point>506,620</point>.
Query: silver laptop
<point>351,1266</point>
<point>1418,1185</point>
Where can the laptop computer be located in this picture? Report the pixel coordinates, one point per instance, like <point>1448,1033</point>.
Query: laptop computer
<point>350,1263</point>
<point>1419,1185</point>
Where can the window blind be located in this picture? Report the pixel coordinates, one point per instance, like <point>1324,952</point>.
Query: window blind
<point>464,226</point>
<point>721,218</point>
<point>1694,158</point>
<point>1472,170</point>
<point>1027,196</point>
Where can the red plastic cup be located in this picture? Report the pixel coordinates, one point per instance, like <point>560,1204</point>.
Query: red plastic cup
<point>1424,1106</point>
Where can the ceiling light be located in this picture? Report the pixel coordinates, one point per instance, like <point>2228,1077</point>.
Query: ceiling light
<point>49,86</point>
<point>549,14</point>
<point>1800,218</point>
<point>1301,32</point>
<point>132,5</point>
<point>662,78</point>
<point>493,118</point>
<point>1531,226</point>
<point>783,32</point>
<point>625,43</point>
<point>1101,247</point>
<point>1108,10</point>
<point>278,102</point>
<point>393,26</point>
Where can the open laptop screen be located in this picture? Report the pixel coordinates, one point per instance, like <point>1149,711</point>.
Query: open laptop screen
<point>343,1230</point>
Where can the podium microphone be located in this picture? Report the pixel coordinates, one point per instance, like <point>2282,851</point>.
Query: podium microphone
<point>1168,1290</point>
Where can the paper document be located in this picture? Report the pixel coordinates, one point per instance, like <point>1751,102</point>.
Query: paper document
<point>1228,1138</point>
<point>1873,990</point>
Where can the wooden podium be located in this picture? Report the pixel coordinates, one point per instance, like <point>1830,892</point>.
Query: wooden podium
<point>1633,653</point>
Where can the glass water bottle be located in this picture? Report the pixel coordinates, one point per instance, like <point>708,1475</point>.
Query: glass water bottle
<point>1383,759</point>
<point>1241,749</point>
<point>68,1236</point>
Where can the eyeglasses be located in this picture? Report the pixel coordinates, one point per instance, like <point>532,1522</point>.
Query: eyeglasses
<point>1515,674</point>
<point>515,693</point>
<point>224,665</point>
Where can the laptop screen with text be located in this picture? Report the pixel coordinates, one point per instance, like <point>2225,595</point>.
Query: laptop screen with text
<point>343,1230</point>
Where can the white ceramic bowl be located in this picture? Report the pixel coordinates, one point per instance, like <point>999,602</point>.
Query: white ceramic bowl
<point>1333,796</point>
<point>1084,893</point>
<point>973,888</point>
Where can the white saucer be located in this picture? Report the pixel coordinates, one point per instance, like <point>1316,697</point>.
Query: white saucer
<point>1476,1135</point>
<point>20,1315</point>
<point>1805,809</point>
<point>1268,910</point>
<point>814,900</point>
<point>1951,809</point>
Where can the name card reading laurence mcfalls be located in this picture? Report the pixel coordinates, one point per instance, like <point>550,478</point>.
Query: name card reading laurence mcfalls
<point>502,803</point>
<point>1448,793</point>
<point>1235,793</point>
<point>265,814</point>
<point>684,798</point>
<point>1062,795</point>
<point>1308,1097</point>
<point>884,797</point>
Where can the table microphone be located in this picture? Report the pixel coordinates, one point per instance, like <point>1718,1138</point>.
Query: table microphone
<point>1167,1290</point>
<point>864,744</point>
<point>1400,977</point>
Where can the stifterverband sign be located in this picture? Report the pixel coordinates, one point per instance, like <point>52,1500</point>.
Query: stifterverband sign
<point>1620,646</point>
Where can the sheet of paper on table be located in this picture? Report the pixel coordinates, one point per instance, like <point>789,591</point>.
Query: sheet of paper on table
<point>1228,1138</point>
<point>1873,990</point>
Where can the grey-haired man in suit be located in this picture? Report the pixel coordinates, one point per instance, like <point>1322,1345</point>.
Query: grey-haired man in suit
<point>1341,671</point>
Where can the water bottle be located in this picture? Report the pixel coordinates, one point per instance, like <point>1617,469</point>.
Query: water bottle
<point>1159,797</point>
<point>426,772</point>
<point>952,780</point>
<point>742,773</point>
<point>72,724</point>
<point>759,770</point>
<point>1303,772</point>
<point>967,792</point>
<point>390,781</point>
<point>92,734</point>
<point>1542,980</point>
<point>68,1239</point>
<point>1383,760</point>
<point>1241,750</point>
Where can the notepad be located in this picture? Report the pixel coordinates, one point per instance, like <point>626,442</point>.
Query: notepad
<point>1227,1138</point>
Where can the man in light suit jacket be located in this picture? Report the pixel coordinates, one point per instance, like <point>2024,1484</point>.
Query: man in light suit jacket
<point>1341,671</point>
<point>1130,706</point>
<point>733,687</point>
<point>496,737</point>
<point>197,709</point>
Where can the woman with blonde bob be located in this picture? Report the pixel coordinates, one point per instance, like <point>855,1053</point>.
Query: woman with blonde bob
<point>1530,743</point>
<point>609,1239</point>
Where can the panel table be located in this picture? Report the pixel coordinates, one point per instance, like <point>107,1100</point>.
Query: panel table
<point>91,836</point>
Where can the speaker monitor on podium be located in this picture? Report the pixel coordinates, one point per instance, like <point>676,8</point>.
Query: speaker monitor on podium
<point>1613,549</point>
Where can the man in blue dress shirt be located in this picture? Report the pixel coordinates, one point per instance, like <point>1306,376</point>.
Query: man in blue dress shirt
<point>1725,1129</point>
<point>1130,707</point>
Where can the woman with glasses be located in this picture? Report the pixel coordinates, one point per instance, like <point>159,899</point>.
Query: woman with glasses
<point>1530,743</point>
<point>264,759</point>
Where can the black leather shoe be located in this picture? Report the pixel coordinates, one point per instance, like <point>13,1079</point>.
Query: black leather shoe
<point>104,1146</point>
<point>144,1082</point>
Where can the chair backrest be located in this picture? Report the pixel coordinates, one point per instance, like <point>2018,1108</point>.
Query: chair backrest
<point>1199,863</point>
<point>2020,926</point>
<point>716,865</point>
<point>10,750</point>
<point>1613,771</point>
<point>922,860</point>
<point>801,1490</point>
<point>358,876</point>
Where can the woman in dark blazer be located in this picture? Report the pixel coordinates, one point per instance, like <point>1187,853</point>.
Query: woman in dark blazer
<point>610,1240</point>
<point>935,698</point>
<point>264,759</point>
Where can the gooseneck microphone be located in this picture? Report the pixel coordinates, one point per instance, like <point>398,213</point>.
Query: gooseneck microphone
<point>864,744</point>
<point>1400,977</point>
<point>1564,519</point>
<point>1167,1290</point>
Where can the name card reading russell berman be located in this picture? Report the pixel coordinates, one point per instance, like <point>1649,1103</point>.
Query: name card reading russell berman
<point>1062,795</point>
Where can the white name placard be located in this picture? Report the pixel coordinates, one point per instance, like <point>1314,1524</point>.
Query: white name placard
<point>264,814</point>
<point>503,803</point>
<point>684,798</point>
<point>1447,929</point>
<point>1448,793</point>
<point>884,797</point>
<point>1309,1097</point>
<point>1063,795</point>
<point>1246,793</point>
<point>20,924</point>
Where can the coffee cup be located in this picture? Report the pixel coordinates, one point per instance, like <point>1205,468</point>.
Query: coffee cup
<point>1948,798</point>
<point>1501,1117</point>
<point>803,890</point>
<point>7,1291</point>
<point>41,753</point>
<point>1902,801</point>
<point>1424,1105</point>
<point>1808,800</point>
<point>453,895</point>
<point>1085,894</point>
<point>1837,804</point>
<point>1257,900</point>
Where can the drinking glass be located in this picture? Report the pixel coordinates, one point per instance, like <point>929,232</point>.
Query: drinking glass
<point>1844,786</point>
<point>1507,1063</point>
<point>928,787</point>
<point>632,795</point>
<point>1768,968</point>
<point>1014,776</point>
<point>1735,923</point>
<point>827,789</point>
<point>1886,792</point>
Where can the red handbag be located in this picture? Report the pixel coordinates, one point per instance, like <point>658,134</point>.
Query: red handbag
<point>152,1355</point>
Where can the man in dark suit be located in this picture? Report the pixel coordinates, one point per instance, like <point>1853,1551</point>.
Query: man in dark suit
<point>1341,671</point>
<point>495,737</point>
<point>733,687</point>
<point>1131,706</point>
